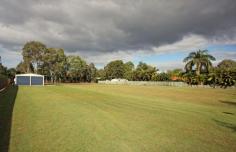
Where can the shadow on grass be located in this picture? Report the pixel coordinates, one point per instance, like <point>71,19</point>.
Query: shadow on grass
<point>227,125</point>
<point>7,101</point>
<point>228,102</point>
<point>228,113</point>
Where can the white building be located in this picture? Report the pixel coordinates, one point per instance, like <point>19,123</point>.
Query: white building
<point>29,79</point>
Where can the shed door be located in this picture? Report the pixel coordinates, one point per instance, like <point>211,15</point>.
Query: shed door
<point>36,80</point>
<point>23,80</point>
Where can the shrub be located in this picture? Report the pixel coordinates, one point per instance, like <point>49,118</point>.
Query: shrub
<point>3,81</point>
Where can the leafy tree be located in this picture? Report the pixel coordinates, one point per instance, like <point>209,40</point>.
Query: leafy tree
<point>54,64</point>
<point>3,70</point>
<point>163,77</point>
<point>11,74</point>
<point>200,59</point>
<point>225,78</point>
<point>128,68</point>
<point>190,78</point>
<point>49,59</point>
<point>91,73</point>
<point>227,65</point>
<point>224,74</point>
<point>24,67</point>
<point>100,74</point>
<point>175,74</point>
<point>32,54</point>
<point>76,68</point>
<point>144,72</point>
<point>115,69</point>
<point>60,66</point>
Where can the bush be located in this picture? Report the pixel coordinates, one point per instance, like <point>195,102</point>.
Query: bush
<point>3,81</point>
<point>223,77</point>
<point>163,77</point>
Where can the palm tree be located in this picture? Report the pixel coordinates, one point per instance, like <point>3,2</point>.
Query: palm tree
<point>200,59</point>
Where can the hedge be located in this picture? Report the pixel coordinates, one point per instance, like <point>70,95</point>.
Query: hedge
<point>3,81</point>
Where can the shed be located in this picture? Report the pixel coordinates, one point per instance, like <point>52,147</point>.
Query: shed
<point>29,79</point>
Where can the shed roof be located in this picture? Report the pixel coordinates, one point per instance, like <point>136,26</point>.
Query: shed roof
<point>29,74</point>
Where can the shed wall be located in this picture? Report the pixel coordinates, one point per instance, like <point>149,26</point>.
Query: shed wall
<point>36,80</point>
<point>23,80</point>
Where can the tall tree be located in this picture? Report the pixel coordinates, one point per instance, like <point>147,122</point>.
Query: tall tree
<point>76,68</point>
<point>115,69</point>
<point>200,59</point>
<point>145,72</point>
<point>91,72</point>
<point>224,74</point>
<point>175,74</point>
<point>32,54</point>
<point>61,65</point>
<point>3,70</point>
<point>24,67</point>
<point>227,64</point>
<point>100,74</point>
<point>129,68</point>
<point>54,62</point>
<point>11,74</point>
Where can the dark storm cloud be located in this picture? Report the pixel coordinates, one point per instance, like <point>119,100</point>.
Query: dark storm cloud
<point>102,26</point>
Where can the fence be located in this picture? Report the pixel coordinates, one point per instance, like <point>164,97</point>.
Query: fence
<point>158,83</point>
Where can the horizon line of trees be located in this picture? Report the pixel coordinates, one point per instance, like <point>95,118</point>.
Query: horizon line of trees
<point>57,67</point>
<point>200,71</point>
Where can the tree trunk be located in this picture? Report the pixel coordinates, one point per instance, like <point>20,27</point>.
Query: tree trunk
<point>28,68</point>
<point>198,69</point>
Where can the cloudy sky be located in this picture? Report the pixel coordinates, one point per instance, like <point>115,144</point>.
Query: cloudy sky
<point>158,32</point>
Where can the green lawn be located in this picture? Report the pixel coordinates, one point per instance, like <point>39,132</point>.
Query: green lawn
<point>110,118</point>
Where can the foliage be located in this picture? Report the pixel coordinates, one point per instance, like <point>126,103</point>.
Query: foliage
<point>144,72</point>
<point>176,74</point>
<point>76,68</point>
<point>3,70</point>
<point>115,69</point>
<point>54,64</point>
<point>32,54</point>
<point>226,78</point>
<point>11,74</point>
<point>224,74</point>
<point>190,78</point>
<point>163,77</point>
<point>91,73</point>
<point>200,59</point>
<point>128,70</point>
<point>3,81</point>
<point>100,74</point>
<point>227,65</point>
<point>6,76</point>
<point>24,67</point>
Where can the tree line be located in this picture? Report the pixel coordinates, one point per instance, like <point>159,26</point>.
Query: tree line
<point>56,66</point>
<point>200,71</point>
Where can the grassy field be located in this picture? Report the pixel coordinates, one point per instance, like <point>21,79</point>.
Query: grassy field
<point>112,118</point>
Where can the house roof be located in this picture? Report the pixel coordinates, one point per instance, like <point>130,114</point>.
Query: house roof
<point>30,74</point>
